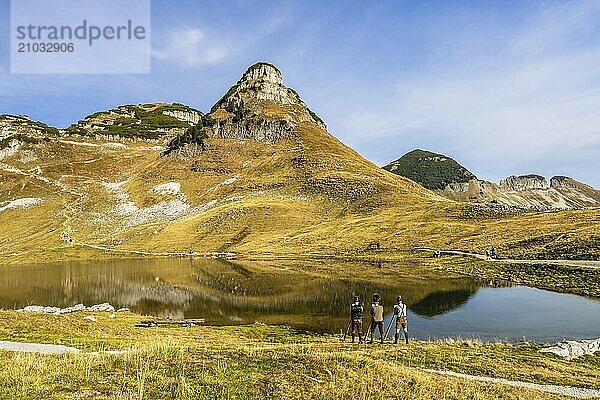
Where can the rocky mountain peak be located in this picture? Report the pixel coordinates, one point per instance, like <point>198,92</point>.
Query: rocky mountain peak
<point>261,82</point>
<point>262,71</point>
<point>258,107</point>
<point>558,182</point>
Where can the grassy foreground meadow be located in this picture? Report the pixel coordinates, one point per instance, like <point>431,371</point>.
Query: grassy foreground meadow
<point>259,361</point>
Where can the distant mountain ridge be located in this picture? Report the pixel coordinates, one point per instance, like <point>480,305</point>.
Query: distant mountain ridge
<point>450,179</point>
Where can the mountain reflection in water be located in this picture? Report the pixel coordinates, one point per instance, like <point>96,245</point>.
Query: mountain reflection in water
<point>223,292</point>
<point>437,303</point>
<point>312,296</point>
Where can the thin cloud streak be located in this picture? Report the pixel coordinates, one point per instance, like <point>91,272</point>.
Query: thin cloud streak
<point>526,108</point>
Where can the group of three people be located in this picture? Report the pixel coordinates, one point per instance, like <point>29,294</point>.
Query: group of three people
<point>377,317</point>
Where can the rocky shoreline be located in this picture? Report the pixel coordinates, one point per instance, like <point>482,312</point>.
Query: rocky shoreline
<point>103,307</point>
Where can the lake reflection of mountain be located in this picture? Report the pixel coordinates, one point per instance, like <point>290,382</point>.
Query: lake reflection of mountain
<point>220,291</point>
<point>437,303</point>
<point>305,296</point>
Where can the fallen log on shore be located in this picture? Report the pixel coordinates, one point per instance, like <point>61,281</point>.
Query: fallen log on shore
<point>180,322</point>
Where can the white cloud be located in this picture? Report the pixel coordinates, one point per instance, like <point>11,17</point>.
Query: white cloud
<point>554,24</point>
<point>530,109</point>
<point>190,47</point>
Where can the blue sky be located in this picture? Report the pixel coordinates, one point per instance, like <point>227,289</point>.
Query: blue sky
<point>503,87</point>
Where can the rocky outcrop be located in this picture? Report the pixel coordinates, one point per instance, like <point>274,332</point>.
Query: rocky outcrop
<point>524,182</point>
<point>562,182</point>
<point>18,126</point>
<point>259,107</point>
<point>262,72</point>
<point>152,122</point>
<point>580,194</point>
<point>565,184</point>
<point>104,307</point>
<point>261,81</point>
<point>193,117</point>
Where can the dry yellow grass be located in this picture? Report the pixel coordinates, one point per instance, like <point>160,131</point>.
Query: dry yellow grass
<point>261,362</point>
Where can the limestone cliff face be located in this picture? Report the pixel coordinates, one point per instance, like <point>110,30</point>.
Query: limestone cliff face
<point>524,182</point>
<point>530,191</point>
<point>259,107</point>
<point>579,192</point>
<point>190,116</point>
<point>264,82</point>
<point>564,182</point>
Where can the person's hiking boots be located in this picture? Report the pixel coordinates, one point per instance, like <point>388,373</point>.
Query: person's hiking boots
<point>397,335</point>
<point>359,339</point>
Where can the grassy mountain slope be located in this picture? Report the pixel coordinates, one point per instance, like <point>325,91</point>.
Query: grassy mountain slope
<point>269,179</point>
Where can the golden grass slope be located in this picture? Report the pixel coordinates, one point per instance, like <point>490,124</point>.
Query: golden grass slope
<point>305,194</point>
<point>299,191</point>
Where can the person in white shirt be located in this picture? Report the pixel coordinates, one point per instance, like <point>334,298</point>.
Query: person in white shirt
<point>401,321</point>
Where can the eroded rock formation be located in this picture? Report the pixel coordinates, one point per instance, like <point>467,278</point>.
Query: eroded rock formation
<point>259,107</point>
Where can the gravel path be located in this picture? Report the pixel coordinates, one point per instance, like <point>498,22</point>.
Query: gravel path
<point>570,391</point>
<point>593,264</point>
<point>37,348</point>
<point>50,349</point>
<point>153,253</point>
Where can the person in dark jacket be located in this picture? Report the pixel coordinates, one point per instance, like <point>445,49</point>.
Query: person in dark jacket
<point>376,317</point>
<point>356,315</point>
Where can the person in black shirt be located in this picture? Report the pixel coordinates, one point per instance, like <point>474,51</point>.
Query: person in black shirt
<point>356,313</point>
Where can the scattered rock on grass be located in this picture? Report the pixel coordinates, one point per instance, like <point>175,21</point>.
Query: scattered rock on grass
<point>102,307</point>
<point>573,349</point>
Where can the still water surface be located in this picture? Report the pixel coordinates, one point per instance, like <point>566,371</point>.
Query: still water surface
<point>240,293</point>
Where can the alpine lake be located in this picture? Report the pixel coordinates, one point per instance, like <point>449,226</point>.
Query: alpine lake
<point>306,295</point>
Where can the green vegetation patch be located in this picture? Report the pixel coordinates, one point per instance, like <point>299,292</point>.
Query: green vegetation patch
<point>433,171</point>
<point>21,121</point>
<point>193,135</point>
